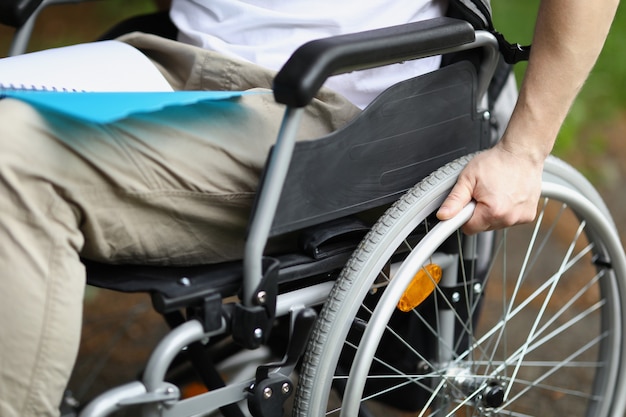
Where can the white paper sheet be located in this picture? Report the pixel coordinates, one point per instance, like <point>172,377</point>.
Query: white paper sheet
<point>98,66</point>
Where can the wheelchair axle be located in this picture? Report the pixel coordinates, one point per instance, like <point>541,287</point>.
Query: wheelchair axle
<point>485,391</point>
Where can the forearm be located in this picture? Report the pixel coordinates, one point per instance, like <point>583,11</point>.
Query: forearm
<point>505,181</point>
<point>569,35</point>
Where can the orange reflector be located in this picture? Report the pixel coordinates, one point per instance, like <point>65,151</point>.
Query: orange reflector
<point>422,285</point>
<point>192,389</point>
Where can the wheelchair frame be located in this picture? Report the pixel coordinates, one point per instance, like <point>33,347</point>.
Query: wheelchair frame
<point>414,41</point>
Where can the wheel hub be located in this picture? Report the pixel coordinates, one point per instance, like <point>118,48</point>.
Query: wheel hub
<point>464,384</point>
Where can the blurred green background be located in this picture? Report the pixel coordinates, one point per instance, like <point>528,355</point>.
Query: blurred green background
<point>593,129</point>
<point>71,23</point>
<point>600,107</point>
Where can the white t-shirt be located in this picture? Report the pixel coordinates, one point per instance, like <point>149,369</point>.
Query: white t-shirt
<point>266,32</point>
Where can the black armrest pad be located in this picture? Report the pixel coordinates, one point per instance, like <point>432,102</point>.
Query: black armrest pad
<point>16,12</point>
<point>311,64</point>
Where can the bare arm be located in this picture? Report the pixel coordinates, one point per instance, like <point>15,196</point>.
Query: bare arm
<point>505,181</point>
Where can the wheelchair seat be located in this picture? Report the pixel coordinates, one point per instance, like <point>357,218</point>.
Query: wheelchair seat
<point>410,130</point>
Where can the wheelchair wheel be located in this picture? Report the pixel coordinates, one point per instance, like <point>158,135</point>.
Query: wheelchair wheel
<point>427,321</point>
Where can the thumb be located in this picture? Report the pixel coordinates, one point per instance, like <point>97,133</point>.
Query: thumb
<point>459,197</point>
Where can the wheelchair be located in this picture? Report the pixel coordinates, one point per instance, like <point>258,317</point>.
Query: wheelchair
<point>381,309</point>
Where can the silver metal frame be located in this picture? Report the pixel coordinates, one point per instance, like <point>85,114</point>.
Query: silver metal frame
<point>161,398</point>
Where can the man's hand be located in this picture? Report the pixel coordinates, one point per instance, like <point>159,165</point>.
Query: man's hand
<point>505,181</point>
<point>505,186</point>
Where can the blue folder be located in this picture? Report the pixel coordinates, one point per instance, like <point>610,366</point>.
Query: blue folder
<point>107,107</point>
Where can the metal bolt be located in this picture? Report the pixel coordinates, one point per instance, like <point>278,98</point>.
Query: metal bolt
<point>267,393</point>
<point>423,367</point>
<point>456,297</point>
<point>184,281</point>
<point>258,333</point>
<point>286,388</point>
<point>261,297</point>
<point>486,115</point>
<point>478,288</point>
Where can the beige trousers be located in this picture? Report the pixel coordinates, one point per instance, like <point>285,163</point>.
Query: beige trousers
<point>173,187</point>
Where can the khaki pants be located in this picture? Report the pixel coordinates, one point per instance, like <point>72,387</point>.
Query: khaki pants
<point>171,187</point>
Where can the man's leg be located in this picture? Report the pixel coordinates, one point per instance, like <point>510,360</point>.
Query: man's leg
<point>41,276</point>
<point>68,188</point>
<point>173,187</point>
<point>150,189</point>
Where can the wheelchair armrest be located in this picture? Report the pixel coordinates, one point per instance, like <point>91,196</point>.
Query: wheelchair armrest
<point>310,65</point>
<point>16,12</point>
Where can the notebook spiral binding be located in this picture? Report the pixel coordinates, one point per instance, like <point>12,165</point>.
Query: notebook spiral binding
<point>33,87</point>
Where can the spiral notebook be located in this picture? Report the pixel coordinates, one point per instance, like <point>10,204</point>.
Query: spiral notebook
<point>100,82</point>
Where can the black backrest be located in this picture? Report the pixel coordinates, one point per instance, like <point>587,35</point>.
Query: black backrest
<point>410,130</point>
